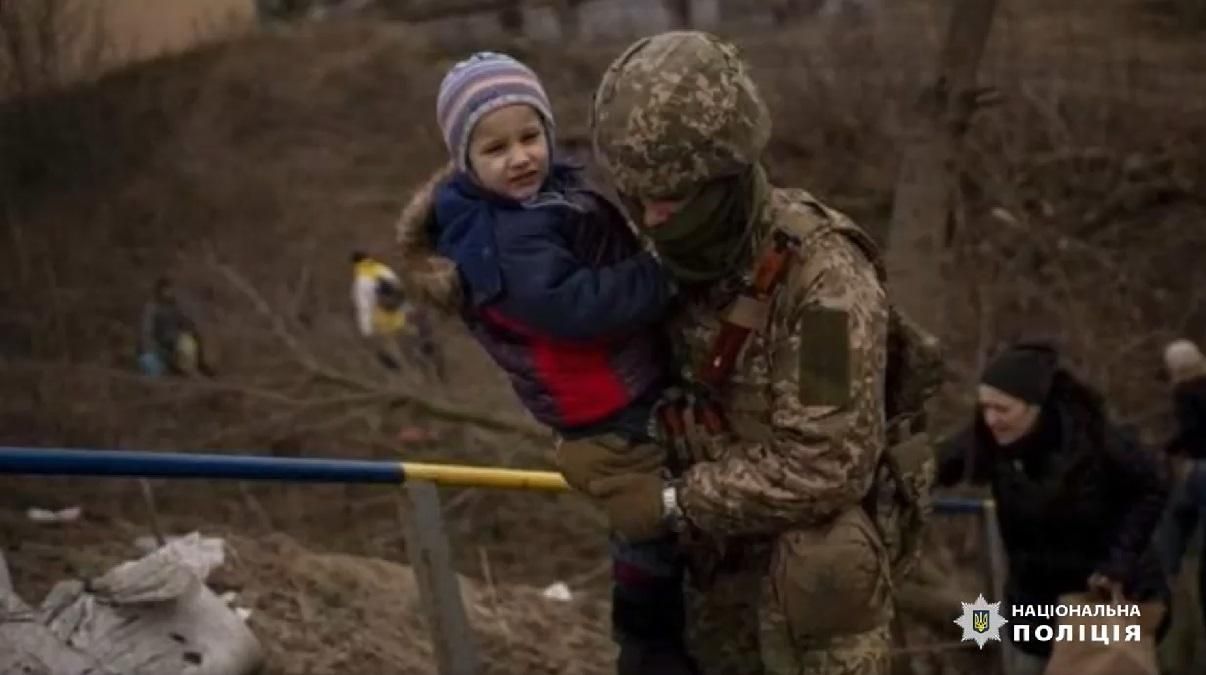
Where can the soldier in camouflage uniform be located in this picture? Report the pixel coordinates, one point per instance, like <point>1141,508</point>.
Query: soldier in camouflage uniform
<point>789,572</point>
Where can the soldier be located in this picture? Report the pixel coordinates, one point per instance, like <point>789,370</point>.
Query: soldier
<point>791,566</point>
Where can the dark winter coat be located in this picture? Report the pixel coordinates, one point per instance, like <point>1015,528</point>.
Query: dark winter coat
<point>1189,403</point>
<point>559,293</point>
<point>1073,498</point>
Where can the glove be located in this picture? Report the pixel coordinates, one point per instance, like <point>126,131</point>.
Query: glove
<point>687,428</point>
<point>633,503</point>
<point>584,462</point>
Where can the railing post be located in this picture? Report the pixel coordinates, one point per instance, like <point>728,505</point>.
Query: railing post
<point>6,584</point>
<point>439,588</point>
<point>995,564</point>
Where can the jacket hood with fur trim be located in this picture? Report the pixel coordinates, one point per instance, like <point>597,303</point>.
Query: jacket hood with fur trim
<point>428,277</point>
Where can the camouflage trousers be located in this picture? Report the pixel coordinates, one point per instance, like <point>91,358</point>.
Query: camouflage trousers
<point>817,602</point>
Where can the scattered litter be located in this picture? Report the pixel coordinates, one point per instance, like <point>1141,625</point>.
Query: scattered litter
<point>198,554</point>
<point>559,592</point>
<point>230,598</point>
<point>1003,215</point>
<point>415,435</point>
<point>68,515</point>
<point>145,616</point>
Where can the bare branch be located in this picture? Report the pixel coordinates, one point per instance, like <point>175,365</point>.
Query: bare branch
<point>423,404</point>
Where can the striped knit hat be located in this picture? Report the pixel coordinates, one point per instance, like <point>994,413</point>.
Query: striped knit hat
<point>479,85</point>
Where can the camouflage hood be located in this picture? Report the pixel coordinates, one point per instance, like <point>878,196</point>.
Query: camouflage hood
<point>677,110</point>
<point>429,278</point>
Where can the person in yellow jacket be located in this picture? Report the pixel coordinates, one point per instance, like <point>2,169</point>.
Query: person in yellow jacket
<point>384,317</point>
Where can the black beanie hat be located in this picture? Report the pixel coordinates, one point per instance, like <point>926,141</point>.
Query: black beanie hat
<point>1024,371</point>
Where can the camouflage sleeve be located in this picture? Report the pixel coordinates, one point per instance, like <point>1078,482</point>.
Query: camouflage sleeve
<point>825,379</point>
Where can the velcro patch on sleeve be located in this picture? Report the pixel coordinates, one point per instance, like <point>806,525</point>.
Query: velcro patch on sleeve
<point>824,358</point>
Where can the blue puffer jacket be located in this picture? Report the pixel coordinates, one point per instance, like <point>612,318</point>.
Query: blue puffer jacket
<point>559,293</point>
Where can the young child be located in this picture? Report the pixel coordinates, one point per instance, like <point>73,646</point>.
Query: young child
<point>554,285</point>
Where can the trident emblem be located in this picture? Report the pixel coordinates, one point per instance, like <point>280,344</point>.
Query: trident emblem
<point>980,620</point>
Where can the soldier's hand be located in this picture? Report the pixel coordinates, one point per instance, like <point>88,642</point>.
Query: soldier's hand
<point>633,504</point>
<point>687,433</point>
<point>586,462</point>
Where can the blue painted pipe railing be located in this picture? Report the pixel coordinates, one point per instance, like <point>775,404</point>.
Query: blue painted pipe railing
<point>961,505</point>
<point>131,464</point>
<point>135,464</point>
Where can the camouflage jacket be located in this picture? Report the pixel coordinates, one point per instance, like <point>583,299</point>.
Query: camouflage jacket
<point>806,397</point>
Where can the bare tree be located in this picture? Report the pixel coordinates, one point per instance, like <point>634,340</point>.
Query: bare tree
<point>925,198</point>
<point>569,17</point>
<point>681,13</point>
<point>45,43</point>
<point>510,17</point>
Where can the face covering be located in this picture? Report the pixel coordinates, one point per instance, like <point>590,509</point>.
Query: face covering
<point>706,238</point>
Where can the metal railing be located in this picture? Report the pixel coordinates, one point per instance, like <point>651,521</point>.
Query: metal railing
<point>427,542</point>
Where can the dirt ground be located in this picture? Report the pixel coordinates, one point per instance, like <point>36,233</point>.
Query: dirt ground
<point>331,612</point>
<point>250,170</point>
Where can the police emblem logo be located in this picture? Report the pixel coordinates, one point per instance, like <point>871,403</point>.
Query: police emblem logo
<point>980,620</point>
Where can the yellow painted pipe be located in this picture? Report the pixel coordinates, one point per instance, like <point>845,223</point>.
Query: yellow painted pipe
<point>454,475</point>
<point>485,477</point>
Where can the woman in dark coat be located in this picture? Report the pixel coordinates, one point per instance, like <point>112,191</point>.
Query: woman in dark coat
<point>1077,501</point>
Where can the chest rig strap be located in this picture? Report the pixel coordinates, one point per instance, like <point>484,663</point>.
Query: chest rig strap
<point>748,313</point>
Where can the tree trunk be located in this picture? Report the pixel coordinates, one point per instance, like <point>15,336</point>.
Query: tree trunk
<point>925,197</point>
<point>569,16</point>
<point>511,18</point>
<point>680,13</point>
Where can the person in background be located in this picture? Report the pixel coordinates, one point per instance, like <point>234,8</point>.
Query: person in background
<point>1187,372</point>
<point>396,328</point>
<point>169,341</point>
<point>1186,454</point>
<point>1077,501</point>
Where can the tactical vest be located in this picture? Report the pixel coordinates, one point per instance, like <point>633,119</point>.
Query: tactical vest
<point>899,501</point>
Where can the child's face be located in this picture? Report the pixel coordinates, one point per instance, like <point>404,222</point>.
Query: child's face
<point>509,153</point>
